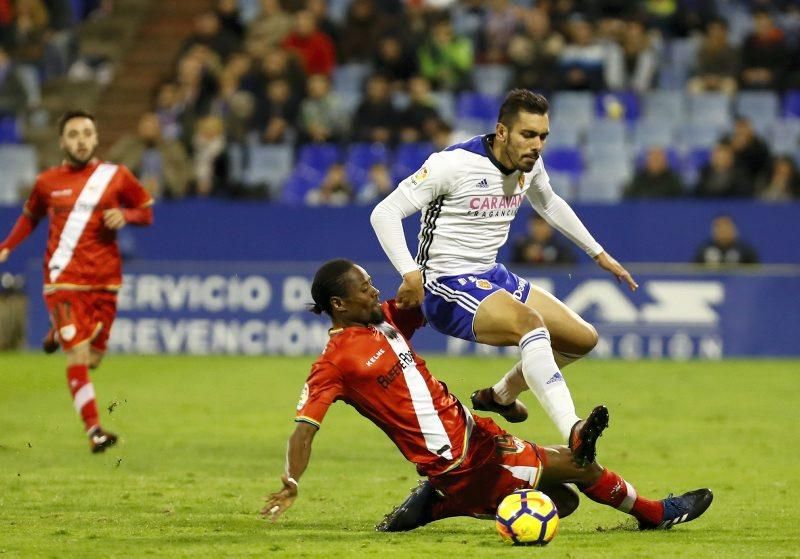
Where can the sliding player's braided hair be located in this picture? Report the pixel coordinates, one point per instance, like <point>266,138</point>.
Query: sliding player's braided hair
<point>329,282</point>
<point>519,100</point>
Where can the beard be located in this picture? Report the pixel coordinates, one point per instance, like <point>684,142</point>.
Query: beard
<point>377,316</point>
<point>76,161</point>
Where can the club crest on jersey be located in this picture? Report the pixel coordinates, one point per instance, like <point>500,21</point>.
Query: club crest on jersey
<point>67,332</point>
<point>419,176</point>
<point>303,397</point>
<point>521,180</point>
<point>483,284</point>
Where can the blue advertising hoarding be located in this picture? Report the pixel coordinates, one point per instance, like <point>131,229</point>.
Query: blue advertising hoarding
<point>253,308</point>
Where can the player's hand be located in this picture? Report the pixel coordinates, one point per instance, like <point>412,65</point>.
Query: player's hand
<point>113,219</point>
<point>410,294</point>
<point>4,255</point>
<point>610,264</point>
<point>281,500</point>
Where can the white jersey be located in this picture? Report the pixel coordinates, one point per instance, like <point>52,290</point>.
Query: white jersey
<point>468,200</point>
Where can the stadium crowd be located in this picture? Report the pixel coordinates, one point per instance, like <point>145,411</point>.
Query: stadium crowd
<point>331,103</point>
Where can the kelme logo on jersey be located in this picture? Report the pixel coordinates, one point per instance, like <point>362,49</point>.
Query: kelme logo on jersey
<point>419,176</point>
<point>67,332</point>
<point>303,397</point>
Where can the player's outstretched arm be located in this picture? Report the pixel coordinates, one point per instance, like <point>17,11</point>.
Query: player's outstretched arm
<point>22,228</point>
<point>298,455</point>
<point>610,264</point>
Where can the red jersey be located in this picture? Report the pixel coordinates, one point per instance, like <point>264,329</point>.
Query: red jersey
<point>373,369</point>
<point>82,252</point>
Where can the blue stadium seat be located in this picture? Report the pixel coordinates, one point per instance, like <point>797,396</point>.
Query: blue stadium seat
<point>702,135</point>
<point>478,106</point>
<point>564,166</point>
<point>349,78</point>
<point>692,163</point>
<point>302,179</point>
<point>19,168</point>
<point>602,151</point>
<point>647,133</point>
<point>676,66</point>
<point>491,79</point>
<point>664,105</point>
<point>607,131</point>
<point>615,105</point>
<point>761,107</point>
<point>604,183</point>
<point>267,164</point>
<point>360,158</point>
<point>408,158</point>
<point>784,136</point>
<point>577,107</point>
<point>710,109</point>
<point>446,105</point>
<point>791,104</point>
<point>319,156</point>
<point>564,184</point>
<point>564,132</point>
<point>9,131</point>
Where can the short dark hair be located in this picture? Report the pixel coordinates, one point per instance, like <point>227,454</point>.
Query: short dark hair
<point>329,282</point>
<point>519,100</point>
<point>69,115</point>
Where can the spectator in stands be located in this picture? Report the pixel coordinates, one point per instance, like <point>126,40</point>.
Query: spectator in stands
<point>498,28</point>
<point>656,179</point>
<point>379,185</point>
<point>765,55</point>
<point>533,52</point>
<point>586,63</point>
<point>208,156</point>
<point>717,61</point>
<point>275,115</point>
<point>278,64</point>
<point>725,247</point>
<point>361,32</point>
<point>13,98</point>
<point>335,189</point>
<point>29,32</point>
<point>541,245</point>
<point>314,48</point>
<point>396,60</point>
<point>230,19</point>
<point>442,136</point>
<point>445,58</point>
<point>168,108</point>
<point>322,116</point>
<point>376,119</point>
<point>640,58</point>
<point>720,178</point>
<point>324,23</point>
<point>196,90</point>
<point>162,166</point>
<point>272,24</point>
<point>750,151</point>
<point>469,19</point>
<point>209,32</point>
<point>783,182</point>
<point>419,120</point>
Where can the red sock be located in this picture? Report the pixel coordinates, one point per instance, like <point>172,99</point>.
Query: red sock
<point>615,492</point>
<point>83,394</point>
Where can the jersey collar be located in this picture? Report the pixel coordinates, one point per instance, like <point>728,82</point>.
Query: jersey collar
<point>488,141</point>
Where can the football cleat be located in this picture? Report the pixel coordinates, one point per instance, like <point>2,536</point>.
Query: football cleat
<point>483,400</point>
<point>100,440</point>
<point>412,513</point>
<point>50,341</point>
<point>584,434</point>
<point>682,508</point>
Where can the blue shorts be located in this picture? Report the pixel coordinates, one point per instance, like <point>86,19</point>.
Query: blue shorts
<point>451,302</point>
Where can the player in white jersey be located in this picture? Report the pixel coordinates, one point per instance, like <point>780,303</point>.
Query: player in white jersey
<point>468,195</point>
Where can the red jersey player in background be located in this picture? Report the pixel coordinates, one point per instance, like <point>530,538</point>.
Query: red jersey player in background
<point>87,201</point>
<point>470,462</point>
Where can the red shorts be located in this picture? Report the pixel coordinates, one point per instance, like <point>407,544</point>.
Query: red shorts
<point>497,464</point>
<point>81,316</point>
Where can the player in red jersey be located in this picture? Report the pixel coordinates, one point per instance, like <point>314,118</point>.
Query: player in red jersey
<point>87,201</point>
<point>470,462</point>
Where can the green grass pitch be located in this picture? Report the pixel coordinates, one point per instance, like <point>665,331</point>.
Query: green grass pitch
<point>203,440</point>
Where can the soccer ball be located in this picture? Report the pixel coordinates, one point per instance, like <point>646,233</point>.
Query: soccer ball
<point>527,517</point>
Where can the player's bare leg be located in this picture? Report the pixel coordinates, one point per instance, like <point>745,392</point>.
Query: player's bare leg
<point>502,320</point>
<point>79,359</point>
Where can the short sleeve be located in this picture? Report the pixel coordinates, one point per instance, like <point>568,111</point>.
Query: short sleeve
<point>407,321</point>
<point>322,388</point>
<point>36,204</point>
<point>432,180</point>
<point>132,193</point>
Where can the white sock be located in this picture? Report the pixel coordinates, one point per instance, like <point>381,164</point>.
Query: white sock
<point>510,386</point>
<point>546,381</point>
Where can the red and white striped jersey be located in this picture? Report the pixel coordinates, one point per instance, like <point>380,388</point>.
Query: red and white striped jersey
<point>373,369</point>
<point>81,252</point>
